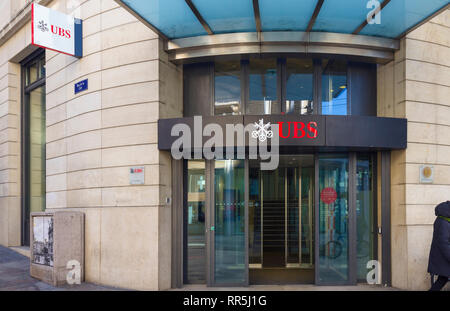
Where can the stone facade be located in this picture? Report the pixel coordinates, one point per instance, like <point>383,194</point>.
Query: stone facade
<point>94,137</point>
<point>416,86</point>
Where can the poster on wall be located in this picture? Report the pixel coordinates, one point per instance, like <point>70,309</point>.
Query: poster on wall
<point>43,240</point>
<point>56,31</point>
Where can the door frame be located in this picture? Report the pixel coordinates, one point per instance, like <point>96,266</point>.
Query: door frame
<point>210,223</point>
<point>178,230</point>
<point>33,58</point>
<point>352,260</point>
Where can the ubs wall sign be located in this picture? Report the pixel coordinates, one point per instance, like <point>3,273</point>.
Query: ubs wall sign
<point>56,31</point>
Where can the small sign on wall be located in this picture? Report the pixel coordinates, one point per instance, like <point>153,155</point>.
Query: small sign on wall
<point>137,175</point>
<point>426,174</point>
<point>81,86</point>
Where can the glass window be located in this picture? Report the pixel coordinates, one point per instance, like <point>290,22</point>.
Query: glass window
<point>263,87</point>
<point>229,226</point>
<point>32,73</point>
<point>364,214</point>
<point>333,218</point>
<point>227,88</point>
<point>41,69</point>
<point>299,86</point>
<point>334,87</point>
<point>36,149</point>
<point>34,131</point>
<point>254,87</point>
<point>195,214</point>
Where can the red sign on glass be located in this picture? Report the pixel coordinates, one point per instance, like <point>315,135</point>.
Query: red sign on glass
<point>328,195</point>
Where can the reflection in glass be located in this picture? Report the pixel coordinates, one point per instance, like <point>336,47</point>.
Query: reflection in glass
<point>32,73</point>
<point>229,227</point>
<point>333,218</point>
<point>334,87</point>
<point>299,86</point>
<point>195,214</point>
<point>254,216</point>
<point>285,15</point>
<point>226,16</point>
<point>41,69</point>
<point>274,211</point>
<point>307,212</point>
<point>263,87</point>
<point>37,156</point>
<point>364,214</point>
<point>227,88</point>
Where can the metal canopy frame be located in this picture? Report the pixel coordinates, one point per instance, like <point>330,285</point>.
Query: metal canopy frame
<point>199,17</point>
<point>257,17</point>
<point>314,16</point>
<point>373,49</point>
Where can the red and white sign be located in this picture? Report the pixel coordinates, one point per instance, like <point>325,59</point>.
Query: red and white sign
<point>328,195</point>
<point>56,31</point>
<point>299,130</point>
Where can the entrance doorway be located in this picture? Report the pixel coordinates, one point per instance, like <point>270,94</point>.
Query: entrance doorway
<point>281,218</point>
<point>310,221</point>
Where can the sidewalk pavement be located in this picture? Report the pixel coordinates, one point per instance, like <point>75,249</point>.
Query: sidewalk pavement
<point>294,287</point>
<point>15,276</point>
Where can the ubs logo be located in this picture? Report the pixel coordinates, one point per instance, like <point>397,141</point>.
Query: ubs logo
<point>65,33</point>
<point>42,26</point>
<point>60,32</point>
<point>262,131</point>
<point>299,130</point>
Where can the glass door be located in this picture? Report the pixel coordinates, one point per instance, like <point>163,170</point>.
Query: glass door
<point>195,216</point>
<point>228,224</point>
<point>281,217</point>
<point>310,219</point>
<point>333,220</point>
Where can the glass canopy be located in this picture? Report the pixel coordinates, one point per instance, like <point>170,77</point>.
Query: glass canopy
<point>188,18</point>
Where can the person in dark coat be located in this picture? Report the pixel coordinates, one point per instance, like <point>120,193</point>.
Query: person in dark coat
<point>439,261</point>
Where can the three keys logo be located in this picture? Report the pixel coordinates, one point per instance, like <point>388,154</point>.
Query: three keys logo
<point>262,131</point>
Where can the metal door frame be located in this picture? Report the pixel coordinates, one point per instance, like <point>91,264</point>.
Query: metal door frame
<point>210,223</point>
<point>177,212</point>
<point>352,260</point>
<point>35,57</point>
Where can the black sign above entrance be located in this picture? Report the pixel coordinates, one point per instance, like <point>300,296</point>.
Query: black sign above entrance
<point>314,132</point>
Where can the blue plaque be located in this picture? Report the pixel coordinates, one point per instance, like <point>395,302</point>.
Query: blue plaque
<point>81,86</point>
